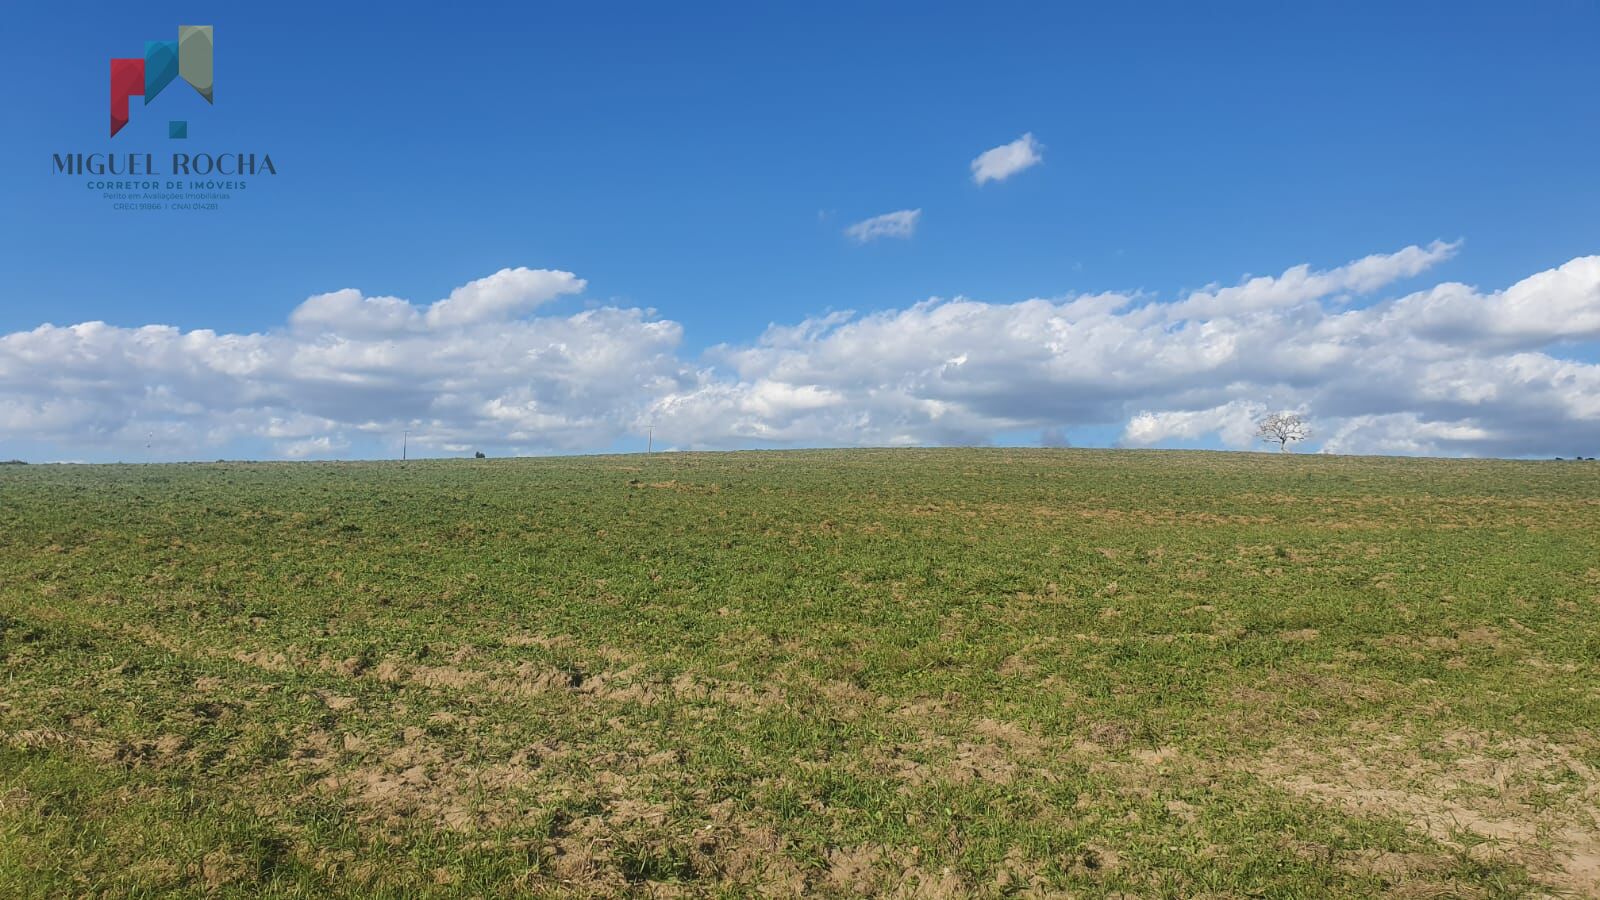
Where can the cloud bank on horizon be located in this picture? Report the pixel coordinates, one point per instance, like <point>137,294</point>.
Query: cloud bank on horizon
<point>1449,370</point>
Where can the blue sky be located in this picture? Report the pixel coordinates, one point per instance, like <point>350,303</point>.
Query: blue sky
<point>703,160</point>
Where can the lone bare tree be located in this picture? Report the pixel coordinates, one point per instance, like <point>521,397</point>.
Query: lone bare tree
<point>1283,429</point>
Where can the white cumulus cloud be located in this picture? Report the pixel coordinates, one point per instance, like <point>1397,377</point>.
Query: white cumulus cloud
<point>898,224</point>
<point>1234,422</point>
<point>1300,283</point>
<point>506,293</point>
<point>1006,160</point>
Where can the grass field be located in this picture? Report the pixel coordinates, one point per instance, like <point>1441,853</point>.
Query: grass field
<point>919,673</point>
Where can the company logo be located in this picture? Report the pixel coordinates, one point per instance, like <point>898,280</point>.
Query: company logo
<point>188,57</point>
<point>181,181</point>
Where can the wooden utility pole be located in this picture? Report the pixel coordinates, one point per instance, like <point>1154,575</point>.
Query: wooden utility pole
<point>405,443</point>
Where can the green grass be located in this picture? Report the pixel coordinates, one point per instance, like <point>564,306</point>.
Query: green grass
<point>976,672</point>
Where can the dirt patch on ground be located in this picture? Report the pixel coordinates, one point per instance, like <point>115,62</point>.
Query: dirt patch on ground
<point>627,684</point>
<point>418,779</point>
<point>631,848</point>
<point>156,751</point>
<point>270,660</point>
<point>1532,803</point>
<point>992,752</point>
<point>854,870</point>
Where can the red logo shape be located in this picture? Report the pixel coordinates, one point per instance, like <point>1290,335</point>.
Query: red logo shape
<point>127,80</point>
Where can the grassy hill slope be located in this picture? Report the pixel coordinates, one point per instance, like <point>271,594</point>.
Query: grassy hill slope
<point>944,672</point>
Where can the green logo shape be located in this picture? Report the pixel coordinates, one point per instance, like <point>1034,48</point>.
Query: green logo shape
<point>194,57</point>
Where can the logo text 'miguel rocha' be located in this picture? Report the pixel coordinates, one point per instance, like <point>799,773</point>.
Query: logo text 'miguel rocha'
<point>145,164</point>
